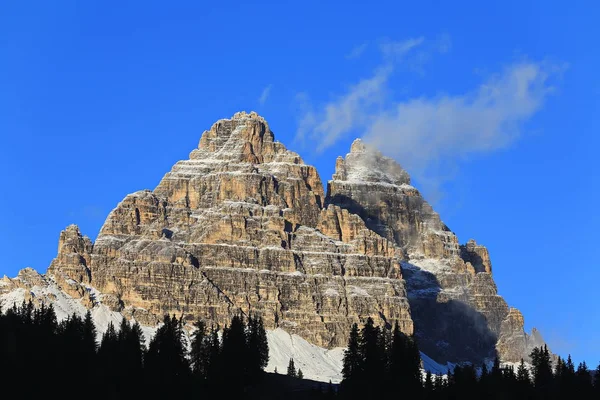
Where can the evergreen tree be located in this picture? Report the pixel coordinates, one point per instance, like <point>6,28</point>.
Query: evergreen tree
<point>166,357</point>
<point>131,358</point>
<point>124,329</point>
<point>583,381</point>
<point>509,381</point>
<point>428,385</point>
<point>45,347</point>
<point>523,374</point>
<point>258,347</point>
<point>197,351</point>
<point>564,377</point>
<point>108,362</point>
<point>47,320</point>
<point>27,312</point>
<point>570,366</point>
<point>108,347</point>
<point>71,332</point>
<point>300,375</point>
<point>559,369</point>
<point>523,387</point>
<point>136,341</point>
<point>234,353</point>
<point>89,345</point>
<point>89,336</point>
<point>291,369</point>
<point>213,361</point>
<point>496,373</point>
<point>405,361</point>
<point>352,358</point>
<point>542,371</point>
<point>373,368</point>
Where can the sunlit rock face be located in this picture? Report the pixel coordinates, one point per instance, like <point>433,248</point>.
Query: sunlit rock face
<point>244,225</point>
<point>241,225</point>
<point>457,311</point>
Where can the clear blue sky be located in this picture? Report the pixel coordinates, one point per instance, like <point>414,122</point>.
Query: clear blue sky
<point>99,99</point>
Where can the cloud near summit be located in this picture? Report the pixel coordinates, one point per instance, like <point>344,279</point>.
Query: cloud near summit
<point>423,133</point>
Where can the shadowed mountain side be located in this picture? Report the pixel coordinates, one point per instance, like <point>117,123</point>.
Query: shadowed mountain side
<point>447,330</point>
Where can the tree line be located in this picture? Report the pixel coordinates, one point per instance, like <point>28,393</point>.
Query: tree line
<point>385,362</point>
<point>42,356</point>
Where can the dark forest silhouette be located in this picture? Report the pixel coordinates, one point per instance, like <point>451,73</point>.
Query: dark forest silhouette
<point>383,364</point>
<point>42,357</point>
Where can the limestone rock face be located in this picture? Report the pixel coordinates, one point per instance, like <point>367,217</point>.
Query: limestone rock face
<point>71,267</point>
<point>244,225</point>
<point>457,312</point>
<point>378,190</point>
<point>74,255</point>
<point>477,255</point>
<point>241,225</point>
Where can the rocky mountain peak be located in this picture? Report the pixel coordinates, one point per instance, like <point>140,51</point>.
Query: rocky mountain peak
<point>358,146</point>
<point>477,255</point>
<point>364,163</point>
<point>72,241</point>
<point>74,256</point>
<point>242,138</point>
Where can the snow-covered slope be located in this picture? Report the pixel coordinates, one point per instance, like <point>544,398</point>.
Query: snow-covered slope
<point>315,362</point>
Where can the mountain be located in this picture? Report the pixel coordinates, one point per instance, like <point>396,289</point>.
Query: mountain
<point>244,225</point>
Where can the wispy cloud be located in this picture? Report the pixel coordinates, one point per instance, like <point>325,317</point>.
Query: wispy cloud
<point>357,51</point>
<point>400,48</point>
<point>353,108</point>
<point>424,132</point>
<point>429,134</point>
<point>346,112</point>
<point>264,94</point>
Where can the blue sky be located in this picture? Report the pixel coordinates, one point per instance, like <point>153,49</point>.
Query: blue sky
<point>492,109</point>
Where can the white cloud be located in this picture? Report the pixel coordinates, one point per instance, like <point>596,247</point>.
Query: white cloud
<point>264,95</point>
<point>357,51</point>
<point>428,135</point>
<point>421,130</point>
<point>348,111</point>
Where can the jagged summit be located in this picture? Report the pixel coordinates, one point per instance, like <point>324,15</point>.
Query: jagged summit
<point>358,146</point>
<point>366,164</point>
<point>243,225</point>
<point>246,115</point>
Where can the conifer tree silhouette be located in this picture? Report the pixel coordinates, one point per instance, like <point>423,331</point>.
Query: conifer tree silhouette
<point>291,369</point>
